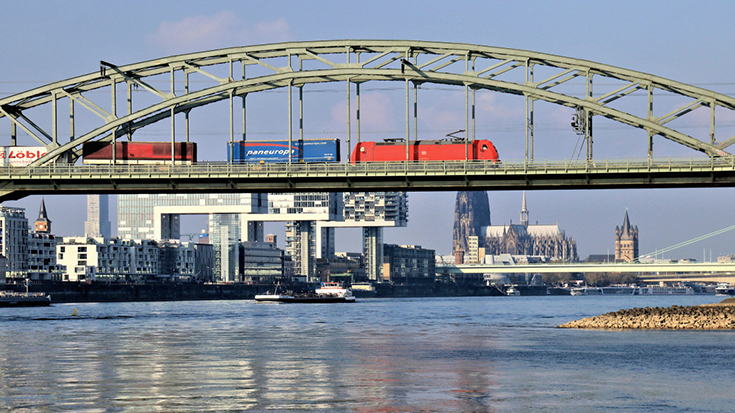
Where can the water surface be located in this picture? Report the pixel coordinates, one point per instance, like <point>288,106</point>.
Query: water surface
<point>479,354</point>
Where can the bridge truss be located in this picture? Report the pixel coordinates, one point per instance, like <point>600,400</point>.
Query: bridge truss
<point>199,79</point>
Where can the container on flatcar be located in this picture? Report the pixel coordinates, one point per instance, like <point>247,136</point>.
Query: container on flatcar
<point>20,155</point>
<point>96,152</point>
<point>306,150</point>
<point>429,150</point>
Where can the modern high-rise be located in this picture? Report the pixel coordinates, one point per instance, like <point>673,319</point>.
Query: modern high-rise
<point>372,211</point>
<point>157,216</point>
<point>306,240</point>
<point>14,241</point>
<point>98,216</point>
<point>233,218</point>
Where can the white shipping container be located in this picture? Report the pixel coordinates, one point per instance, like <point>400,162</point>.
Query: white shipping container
<point>20,155</point>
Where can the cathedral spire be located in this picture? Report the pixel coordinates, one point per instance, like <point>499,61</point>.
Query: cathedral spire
<point>524,211</point>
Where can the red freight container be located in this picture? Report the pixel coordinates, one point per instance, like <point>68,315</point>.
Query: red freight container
<point>424,151</point>
<point>139,152</point>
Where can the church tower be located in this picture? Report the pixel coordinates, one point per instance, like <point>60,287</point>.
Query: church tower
<point>626,241</point>
<point>524,211</point>
<point>471,213</point>
<point>43,224</point>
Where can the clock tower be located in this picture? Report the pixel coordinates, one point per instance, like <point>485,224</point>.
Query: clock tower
<point>43,224</point>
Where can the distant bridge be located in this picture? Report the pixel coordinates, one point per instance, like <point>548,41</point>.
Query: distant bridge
<point>647,272</point>
<point>227,74</point>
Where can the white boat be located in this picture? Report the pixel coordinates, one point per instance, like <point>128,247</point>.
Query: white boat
<point>724,289</point>
<point>334,290</point>
<point>587,291</point>
<point>620,290</point>
<point>274,296</point>
<point>363,290</point>
<point>512,291</point>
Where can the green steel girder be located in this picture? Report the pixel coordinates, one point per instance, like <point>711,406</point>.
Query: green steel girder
<point>16,183</point>
<point>387,60</point>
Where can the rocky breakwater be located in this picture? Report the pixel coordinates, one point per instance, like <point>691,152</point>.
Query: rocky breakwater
<point>720,316</point>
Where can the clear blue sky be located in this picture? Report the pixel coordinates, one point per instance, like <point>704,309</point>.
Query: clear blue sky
<point>690,42</point>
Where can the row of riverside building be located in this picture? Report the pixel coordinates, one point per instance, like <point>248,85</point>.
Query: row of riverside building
<point>148,246</point>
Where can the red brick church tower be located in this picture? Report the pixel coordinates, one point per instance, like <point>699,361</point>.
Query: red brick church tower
<point>43,224</point>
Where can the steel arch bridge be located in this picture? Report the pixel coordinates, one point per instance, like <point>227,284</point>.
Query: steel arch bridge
<point>252,69</point>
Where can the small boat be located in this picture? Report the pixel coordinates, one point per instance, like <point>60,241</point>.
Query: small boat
<point>363,290</point>
<point>587,291</point>
<point>620,290</point>
<point>512,291</point>
<point>274,296</point>
<point>13,299</point>
<point>724,289</point>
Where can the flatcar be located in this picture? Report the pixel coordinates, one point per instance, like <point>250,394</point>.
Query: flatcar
<point>428,150</point>
<point>139,152</point>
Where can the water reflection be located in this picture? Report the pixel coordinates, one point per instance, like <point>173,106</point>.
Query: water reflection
<point>442,355</point>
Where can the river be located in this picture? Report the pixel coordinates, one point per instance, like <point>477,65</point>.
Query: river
<point>478,354</point>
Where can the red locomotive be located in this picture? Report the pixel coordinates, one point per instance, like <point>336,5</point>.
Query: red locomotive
<point>139,152</point>
<point>429,150</point>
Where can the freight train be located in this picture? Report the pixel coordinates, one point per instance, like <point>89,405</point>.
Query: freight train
<point>139,152</point>
<point>429,150</point>
<point>309,150</point>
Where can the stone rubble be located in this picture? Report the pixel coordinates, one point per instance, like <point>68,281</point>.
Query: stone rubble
<point>720,316</point>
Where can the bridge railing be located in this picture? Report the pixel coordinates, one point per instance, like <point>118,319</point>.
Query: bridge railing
<point>374,168</point>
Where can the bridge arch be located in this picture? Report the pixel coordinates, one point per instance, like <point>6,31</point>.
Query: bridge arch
<point>474,67</point>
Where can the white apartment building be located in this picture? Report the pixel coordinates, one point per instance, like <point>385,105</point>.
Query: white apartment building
<point>86,259</point>
<point>42,256</point>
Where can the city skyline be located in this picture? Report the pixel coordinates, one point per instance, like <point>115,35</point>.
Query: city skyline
<point>666,41</point>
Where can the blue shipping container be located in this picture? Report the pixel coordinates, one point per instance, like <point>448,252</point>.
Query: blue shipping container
<point>308,150</point>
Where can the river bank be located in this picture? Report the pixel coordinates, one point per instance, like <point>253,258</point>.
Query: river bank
<point>718,316</point>
<point>73,292</point>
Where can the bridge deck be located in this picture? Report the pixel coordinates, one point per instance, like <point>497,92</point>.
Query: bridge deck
<point>17,182</point>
